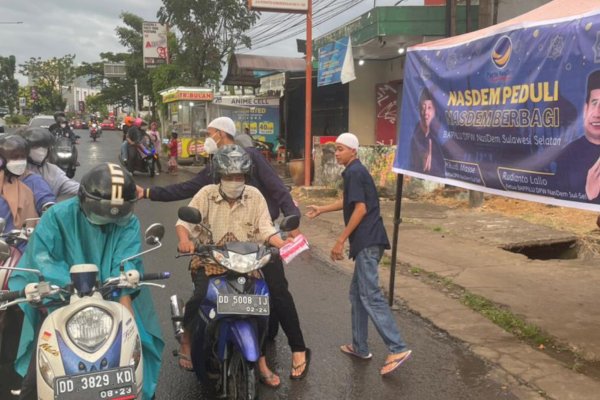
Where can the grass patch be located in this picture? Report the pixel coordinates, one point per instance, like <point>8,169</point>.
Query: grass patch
<point>505,319</point>
<point>439,229</point>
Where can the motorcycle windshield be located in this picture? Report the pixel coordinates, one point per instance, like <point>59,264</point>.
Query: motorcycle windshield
<point>63,144</point>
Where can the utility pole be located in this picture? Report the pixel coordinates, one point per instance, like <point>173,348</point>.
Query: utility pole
<point>308,110</point>
<point>137,106</point>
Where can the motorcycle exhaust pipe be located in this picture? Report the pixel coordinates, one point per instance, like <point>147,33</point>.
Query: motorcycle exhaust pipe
<point>176,317</point>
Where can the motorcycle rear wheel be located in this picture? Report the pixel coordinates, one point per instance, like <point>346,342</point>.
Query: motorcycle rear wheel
<point>242,378</point>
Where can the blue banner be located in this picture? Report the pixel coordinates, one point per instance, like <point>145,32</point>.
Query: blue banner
<point>332,58</point>
<point>515,113</point>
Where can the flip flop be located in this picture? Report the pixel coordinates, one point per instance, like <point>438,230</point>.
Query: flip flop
<point>349,349</point>
<point>396,363</point>
<point>268,379</point>
<point>306,363</point>
<point>181,356</point>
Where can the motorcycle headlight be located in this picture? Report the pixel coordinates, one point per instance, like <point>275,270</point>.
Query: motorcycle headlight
<point>63,154</point>
<point>242,263</point>
<point>136,354</point>
<point>264,261</point>
<point>45,369</point>
<point>89,328</point>
<point>221,259</point>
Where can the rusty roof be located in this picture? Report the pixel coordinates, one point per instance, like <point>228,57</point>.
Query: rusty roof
<point>246,69</point>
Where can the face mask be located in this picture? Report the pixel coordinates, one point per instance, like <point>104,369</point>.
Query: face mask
<point>232,189</point>
<point>210,146</point>
<point>38,154</point>
<point>63,125</point>
<point>16,167</point>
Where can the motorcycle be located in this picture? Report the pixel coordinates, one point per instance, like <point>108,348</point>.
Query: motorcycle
<point>235,313</point>
<point>145,160</point>
<point>95,131</point>
<point>64,151</point>
<point>11,319</point>
<point>89,347</point>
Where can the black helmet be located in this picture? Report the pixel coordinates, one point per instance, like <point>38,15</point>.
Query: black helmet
<point>231,159</point>
<point>59,117</point>
<point>13,147</point>
<point>107,195</point>
<point>37,137</point>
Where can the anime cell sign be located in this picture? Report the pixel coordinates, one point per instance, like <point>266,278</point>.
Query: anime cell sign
<point>513,110</point>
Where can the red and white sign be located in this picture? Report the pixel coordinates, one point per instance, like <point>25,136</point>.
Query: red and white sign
<point>155,44</point>
<point>279,5</point>
<point>387,113</point>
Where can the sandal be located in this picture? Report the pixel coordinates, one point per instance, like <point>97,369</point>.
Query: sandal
<point>267,380</point>
<point>396,362</point>
<point>305,364</point>
<point>184,357</point>
<point>349,349</point>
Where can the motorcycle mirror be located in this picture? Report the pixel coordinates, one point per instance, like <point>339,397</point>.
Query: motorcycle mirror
<point>154,234</point>
<point>4,250</point>
<point>2,224</point>
<point>189,214</point>
<point>289,223</point>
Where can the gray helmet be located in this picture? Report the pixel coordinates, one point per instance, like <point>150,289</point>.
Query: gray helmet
<point>231,159</point>
<point>13,147</point>
<point>37,137</point>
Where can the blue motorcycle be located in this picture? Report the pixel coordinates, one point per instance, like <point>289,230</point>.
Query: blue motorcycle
<point>233,317</point>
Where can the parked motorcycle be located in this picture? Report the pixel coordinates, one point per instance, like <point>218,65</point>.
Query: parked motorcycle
<point>11,319</point>
<point>145,160</point>
<point>95,131</point>
<point>235,313</point>
<point>89,347</point>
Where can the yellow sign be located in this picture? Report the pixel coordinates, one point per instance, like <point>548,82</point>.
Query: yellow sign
<point>187,95</point>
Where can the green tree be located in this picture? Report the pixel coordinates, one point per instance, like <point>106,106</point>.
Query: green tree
<point>210,32</point>
<point>9,86</point>
<point>96,103</point>
<point>49,77</point>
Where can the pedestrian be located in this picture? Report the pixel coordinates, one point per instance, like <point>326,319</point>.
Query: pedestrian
<point>173,154</point>
<point>263,177</point>
<point>155,139</point>
<point>368,239</point>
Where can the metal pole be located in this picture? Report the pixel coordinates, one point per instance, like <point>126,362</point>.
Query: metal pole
<point>397,222</point>
<point>308,111</point>
<point>137,106</point>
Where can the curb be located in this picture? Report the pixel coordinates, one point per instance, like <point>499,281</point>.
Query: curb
<point>530,373</point>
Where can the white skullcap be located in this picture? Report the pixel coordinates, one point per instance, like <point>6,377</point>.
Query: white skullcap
<point>348,139</point>
<point>224,124</point>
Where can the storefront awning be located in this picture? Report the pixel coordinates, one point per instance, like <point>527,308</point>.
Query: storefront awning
<point>247,69</point>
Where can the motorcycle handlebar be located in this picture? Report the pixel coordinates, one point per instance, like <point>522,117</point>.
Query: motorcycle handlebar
<point>10,296</point>
<point>156,276</point>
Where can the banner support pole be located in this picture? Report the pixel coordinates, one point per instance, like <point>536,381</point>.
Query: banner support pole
<point>397,222</point>
<point>308,110</point>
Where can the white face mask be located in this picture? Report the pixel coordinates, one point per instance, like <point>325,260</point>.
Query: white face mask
<point>232,189</point>
<point>16,167</point>
<point>210,146</point>
<point>38,154</point>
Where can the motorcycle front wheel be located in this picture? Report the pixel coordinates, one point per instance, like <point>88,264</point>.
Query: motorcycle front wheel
<point>242,378</point>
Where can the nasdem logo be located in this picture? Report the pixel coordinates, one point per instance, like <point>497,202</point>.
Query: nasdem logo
<point>502,51</point>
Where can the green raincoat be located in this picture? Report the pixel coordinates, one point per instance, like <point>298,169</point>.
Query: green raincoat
<point>65,237</point>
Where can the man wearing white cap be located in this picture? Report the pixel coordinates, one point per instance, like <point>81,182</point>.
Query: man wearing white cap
<point>368,239</point>
<point>222,132</point>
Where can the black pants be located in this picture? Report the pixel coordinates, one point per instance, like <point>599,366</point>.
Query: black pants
<point>282,302</point>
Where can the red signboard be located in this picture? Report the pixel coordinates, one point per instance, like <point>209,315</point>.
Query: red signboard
<point>387,113</point>
<point>435,2</point>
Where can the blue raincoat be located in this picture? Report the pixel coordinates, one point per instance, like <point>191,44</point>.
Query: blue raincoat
<point>65,237</point>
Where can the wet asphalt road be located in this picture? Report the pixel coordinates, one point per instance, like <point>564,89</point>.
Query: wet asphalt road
<point>440,368</point>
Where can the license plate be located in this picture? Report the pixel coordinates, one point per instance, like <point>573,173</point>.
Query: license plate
<point>245,304</point>
<point>111,384</point>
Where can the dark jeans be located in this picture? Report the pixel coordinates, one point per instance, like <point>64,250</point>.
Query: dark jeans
<point>282,302</point>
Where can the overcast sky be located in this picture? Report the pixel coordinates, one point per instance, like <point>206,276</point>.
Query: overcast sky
<point>86,28</point>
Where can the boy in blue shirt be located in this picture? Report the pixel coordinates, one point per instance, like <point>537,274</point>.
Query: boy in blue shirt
<point>368,239</point>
